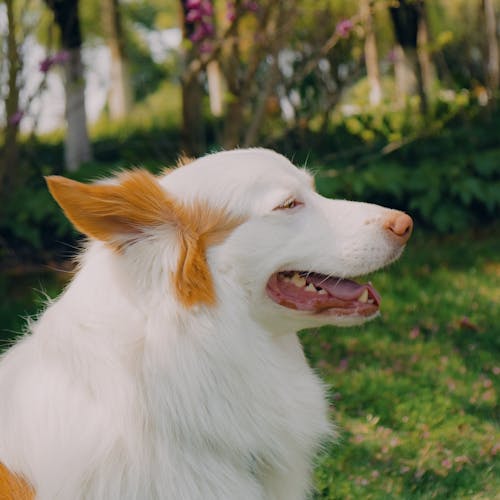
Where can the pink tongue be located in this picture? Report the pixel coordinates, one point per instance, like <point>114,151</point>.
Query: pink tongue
<point>341,288</point>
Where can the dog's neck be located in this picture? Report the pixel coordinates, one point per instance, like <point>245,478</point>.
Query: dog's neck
<point>169,353</point>
<point>104,301</point>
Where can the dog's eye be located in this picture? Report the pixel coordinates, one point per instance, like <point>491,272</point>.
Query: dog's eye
<point>290,203</point>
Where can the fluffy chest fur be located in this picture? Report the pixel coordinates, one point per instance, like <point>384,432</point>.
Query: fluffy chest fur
<point>246,413</point>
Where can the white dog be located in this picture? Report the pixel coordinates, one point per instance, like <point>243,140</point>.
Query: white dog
<point>170,368</point>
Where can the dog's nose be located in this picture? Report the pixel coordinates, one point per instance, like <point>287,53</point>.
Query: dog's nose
<point>399,226</point>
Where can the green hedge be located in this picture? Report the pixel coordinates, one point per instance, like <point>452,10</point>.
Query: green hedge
<point>446,195</point>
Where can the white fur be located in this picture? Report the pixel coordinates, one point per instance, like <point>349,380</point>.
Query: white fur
<point>122,393</point>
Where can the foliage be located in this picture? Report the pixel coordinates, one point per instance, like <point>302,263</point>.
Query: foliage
<point>446,176</point>
<point>34,219</point>
<point>458,44</point>
<point>447,195</point>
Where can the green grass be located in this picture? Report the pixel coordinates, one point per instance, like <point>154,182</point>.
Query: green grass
<point>415,392</point>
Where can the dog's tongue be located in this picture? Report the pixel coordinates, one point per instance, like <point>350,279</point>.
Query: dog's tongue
<point>343,289</point>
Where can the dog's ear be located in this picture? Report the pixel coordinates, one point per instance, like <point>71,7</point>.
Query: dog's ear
<point>121,213</point>
<point>114,213</point>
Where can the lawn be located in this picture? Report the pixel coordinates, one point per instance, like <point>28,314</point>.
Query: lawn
<point>414,393</point>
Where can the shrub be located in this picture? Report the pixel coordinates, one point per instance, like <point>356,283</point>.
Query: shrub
<point>443,195</point>
<point>447,178</point>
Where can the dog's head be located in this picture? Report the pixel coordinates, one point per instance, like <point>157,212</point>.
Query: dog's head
<point>246,229</point>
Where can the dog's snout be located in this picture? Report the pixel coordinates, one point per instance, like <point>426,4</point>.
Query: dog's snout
<point>399,226</point>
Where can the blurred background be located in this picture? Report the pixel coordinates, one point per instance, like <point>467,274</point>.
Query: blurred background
<point>391,102</point>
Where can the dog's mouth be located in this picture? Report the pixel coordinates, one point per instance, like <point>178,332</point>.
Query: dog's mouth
<point>318,293</point>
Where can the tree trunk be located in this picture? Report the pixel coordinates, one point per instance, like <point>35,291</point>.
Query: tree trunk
<point>193,123</point>
<point>77,150</point>
<point>193,127</point>
<point>77,145</point>
<point>493,70</point>
<point>422,93</point>
<point>10,158</point>
<point>404,74</point>
<point>405,18</point>
<point>120,91</point>
<point>371,54</point>
<point>426,65</point>
<point>233,124</point>
<point>215,82</point>
<point>258,113</point>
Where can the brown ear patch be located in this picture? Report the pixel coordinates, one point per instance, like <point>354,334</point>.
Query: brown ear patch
<point>14,487</point>
<point>202,226</point>
<point>114,212</point>
<point>119,214</point>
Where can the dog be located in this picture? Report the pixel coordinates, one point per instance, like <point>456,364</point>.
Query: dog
<point>170,367</point>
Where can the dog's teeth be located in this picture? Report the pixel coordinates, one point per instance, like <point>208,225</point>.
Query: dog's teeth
<point>298,280</point>
<point>364,296</point>
<point>311,288</point>
<point>321,291</point>
<point>371,301</point>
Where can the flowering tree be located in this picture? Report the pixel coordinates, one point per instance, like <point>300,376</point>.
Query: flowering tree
<point>22,22</point>
<point>265,57</point>
<point>237,46</point>
<point>198,30</point>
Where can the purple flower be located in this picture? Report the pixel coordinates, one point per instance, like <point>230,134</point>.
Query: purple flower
<point>49,61</point>
<point>206,8</point>
<point>16,117</point>
<point>199,13</point>
<point>206,47</point>
<point>392,56</point>
<point>198,34</point>
<point>446,463</point>
<point>414,332</point>
<point>46,64</point>
<point>343,364</point>
<point>208,28</point>
<point>61,57</point>
<point>193,15</point>
<point>230,12</point>
<point>251,5</point>
<point>344,27</point>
